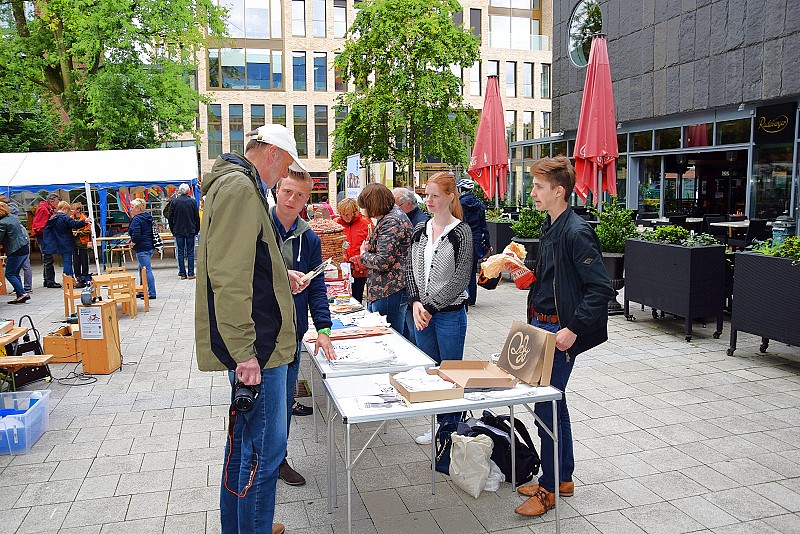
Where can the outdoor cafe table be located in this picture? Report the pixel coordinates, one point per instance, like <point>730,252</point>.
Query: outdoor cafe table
<point>344,392</point>
<point>731,225</point>
<point>408,357</point>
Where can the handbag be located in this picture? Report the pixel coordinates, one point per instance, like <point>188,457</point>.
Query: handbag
<point>158,243</point>
<point>469,462</point>
<point>444,444</point>
<point>498,428</point>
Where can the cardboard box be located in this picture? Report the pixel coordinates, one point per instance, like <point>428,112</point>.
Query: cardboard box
<point>63,344</point>
<point>528,354</point>
<point>476,374</point>
<point>425,396</point>
<point>5,325</point>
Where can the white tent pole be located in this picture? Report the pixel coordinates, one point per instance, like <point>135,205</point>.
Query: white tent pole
<point>90,209</point>
<point>599,198</point>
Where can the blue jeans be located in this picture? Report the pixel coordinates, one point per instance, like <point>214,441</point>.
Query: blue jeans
<point>393,307</point>
<point>566,459</point>
<point>443,339</point>
<point>184,247</point>
<point>66,259</point>
<point>410,331</point>
<point>472,288</point>
<point>13,265</point>
<point>292,371</point>
<point>144,261</point>
<point>264,431</point>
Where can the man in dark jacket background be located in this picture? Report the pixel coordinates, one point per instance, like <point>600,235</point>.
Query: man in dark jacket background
<point>475,216</point>
<point>184,223</point>
<point>302,252</point>
<point>44,211</point>
<point>407,201</point>
<point>569,297</point>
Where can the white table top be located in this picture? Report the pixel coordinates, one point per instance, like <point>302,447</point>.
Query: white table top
<point>344,391</point>
<point>690,220</point>
<point>408,356</point>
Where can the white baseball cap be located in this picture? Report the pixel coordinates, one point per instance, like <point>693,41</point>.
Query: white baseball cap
<point>275,134</point>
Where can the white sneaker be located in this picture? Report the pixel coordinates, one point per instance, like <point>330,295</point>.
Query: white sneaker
<point>425,439</point>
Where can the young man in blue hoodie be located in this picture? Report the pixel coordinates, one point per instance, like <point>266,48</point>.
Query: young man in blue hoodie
<point>302,252</point>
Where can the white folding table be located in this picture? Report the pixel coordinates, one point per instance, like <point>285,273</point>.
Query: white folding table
<point>344,393</point>
<point>408,357</point>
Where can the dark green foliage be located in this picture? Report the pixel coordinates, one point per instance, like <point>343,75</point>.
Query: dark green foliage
<point>529,224</point>
<point>615,226</point>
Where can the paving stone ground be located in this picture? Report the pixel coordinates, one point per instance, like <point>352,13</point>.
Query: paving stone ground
<point>670,437</point>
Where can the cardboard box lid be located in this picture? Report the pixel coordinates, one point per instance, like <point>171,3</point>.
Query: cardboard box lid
<point>456,392</point>
<point>528,354</point>
<point>476,374</point>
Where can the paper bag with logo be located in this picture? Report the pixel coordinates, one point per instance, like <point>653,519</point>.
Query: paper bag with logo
<point>528,354</point>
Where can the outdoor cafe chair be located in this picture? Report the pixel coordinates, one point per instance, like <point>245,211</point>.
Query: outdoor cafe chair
<point>756,230</point>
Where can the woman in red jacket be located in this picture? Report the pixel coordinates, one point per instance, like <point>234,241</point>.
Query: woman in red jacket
<point>356,230</point>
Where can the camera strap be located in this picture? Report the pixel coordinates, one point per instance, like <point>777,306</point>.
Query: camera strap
<point>233,414</point>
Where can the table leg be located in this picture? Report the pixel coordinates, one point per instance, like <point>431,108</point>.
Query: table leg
<point>331,463</point>
<point>556,467</point>
<point>314,404</point>
<point>513,450</point>
<point>349,468</point>
<point>433,455</point>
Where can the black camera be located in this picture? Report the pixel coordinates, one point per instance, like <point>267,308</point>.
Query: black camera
<point>244,397</point>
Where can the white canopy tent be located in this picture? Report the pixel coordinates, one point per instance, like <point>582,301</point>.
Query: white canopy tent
<point>101,169</point>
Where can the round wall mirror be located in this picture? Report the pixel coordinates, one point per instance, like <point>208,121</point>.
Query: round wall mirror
<point>586,20</point>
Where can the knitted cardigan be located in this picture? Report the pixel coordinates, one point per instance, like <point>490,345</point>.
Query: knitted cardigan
<point>449,273</point>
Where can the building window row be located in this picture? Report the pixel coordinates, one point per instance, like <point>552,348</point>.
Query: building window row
<point>236,126</point>
<point>319,18</point>
<point>529,73</point>
<point>245,68</point>
<point>254,19</point>
<point>515,28</point>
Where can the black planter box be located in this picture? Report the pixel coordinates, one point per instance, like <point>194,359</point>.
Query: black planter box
<point>684,281</point>
<point>500,235</point>
<point>531,247</point>
<point>766,299</point>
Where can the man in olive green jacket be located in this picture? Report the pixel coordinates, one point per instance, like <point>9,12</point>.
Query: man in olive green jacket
<point>244,320</point>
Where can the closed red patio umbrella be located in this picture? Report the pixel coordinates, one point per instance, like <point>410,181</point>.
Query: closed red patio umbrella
<point>489,162</point>
<point>596,141</point>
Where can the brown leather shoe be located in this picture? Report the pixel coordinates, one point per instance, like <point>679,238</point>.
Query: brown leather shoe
<point>537,505</point>
<point>277,528</point>
<point>290,476</point>
<point>565,489</point>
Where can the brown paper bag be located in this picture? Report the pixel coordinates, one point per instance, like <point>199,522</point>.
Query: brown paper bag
<point>528,354</point>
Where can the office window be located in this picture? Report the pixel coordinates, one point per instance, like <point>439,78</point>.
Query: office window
<point>213,67</point>
<point>257,18</point>
<point>236,127</point>
<point>511,78</point>
<point>321,131</point>
<point>341,114</point>
<point>475,79</point>
<point>299,71</point>
<point>527,80</point>
<point>511,126</point>
<point>475,21</point>
<point>339,18</point>
<point>318,25</point>
<point>299,18</point>
<point>493,68</point>
<point>545,92</point>
<point>458,73</point>
<point>233,68</point>
<point>545,124</point>
<point>276,19</point>
<point>214,130</point>
<point>279,114</point>
<point>277,69</point>
<point>320,71</point>
<point>259,74</point>
<point>527,125</point>
<point>301,130</point>
<point>235,18</point>
<point>458,18</point>
<point>257,116</point>
<point>339,83</point>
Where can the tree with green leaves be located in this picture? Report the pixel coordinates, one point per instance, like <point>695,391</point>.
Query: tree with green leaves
<point>116,72</point>
<point>406,101</point>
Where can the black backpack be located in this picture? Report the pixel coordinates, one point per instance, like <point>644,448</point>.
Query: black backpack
<point>498,428</point>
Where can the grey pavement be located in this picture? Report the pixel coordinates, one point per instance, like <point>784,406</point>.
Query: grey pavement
<point>670,437</point>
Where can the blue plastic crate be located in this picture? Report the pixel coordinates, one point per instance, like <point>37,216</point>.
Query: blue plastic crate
<point>24,417</point>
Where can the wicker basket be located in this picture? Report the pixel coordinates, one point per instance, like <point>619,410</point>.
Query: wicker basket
<point>333,239</point>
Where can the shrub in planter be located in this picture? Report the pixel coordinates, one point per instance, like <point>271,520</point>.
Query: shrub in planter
<point>527,230</point>
<point>766,293</point>
<point>671,270</point>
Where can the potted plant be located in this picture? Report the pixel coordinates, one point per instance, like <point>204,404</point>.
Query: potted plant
<point>672,270</point>
<point>527,230</point>
<point>615,225</point>
<point>766,293</point>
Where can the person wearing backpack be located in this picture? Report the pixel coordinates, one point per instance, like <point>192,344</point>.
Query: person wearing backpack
<point>570,298</point>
